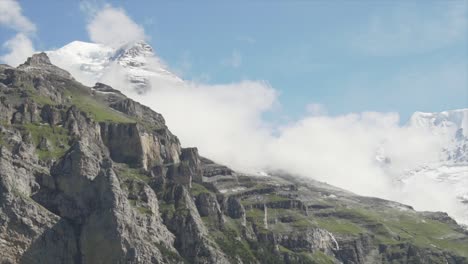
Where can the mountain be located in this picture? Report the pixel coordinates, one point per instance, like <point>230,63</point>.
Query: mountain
<point>451,125</point>
<point>88,175</point>
<point>138,64</point>
<point>445,123</point>
<point>451,169</point>
<point>91,63</point>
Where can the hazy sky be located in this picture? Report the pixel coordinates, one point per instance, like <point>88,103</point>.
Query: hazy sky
<point>346,56</point>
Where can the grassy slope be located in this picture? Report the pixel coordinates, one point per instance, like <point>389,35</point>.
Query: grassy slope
<point>80,97</point>
<point>74,94</point>
<point>390,227</point>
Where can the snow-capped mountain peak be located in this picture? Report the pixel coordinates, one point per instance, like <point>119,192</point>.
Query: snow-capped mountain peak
<point>92,62</point>
<point>450,122</point>
<point>452,167</point>
<point>139,49</point>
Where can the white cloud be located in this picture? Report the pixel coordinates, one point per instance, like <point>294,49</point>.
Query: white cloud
<point>20,47</point>
<point>112,27</point>
<point>342,150</point>
<point>408,29</point>
<point>11,16</point>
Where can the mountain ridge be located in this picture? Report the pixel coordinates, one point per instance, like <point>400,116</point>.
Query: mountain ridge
<point>90,176</point>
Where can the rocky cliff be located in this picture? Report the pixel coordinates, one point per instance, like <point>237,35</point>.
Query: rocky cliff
<point>90,176</point>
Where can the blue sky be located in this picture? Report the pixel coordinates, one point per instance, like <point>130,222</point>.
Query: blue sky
<point>348,56</point>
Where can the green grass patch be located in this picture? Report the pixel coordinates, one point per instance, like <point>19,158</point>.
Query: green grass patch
<point>168,210</point>
<point>164,207</point>
<point>255,215</point>
<point>368,221</point>
<point>317,257</point>
<point>141,209</point>
<point>339,226</point>
<point>284,250</point>
<point>58,138</point>
<point>81,97</point>
<point>40,99</point>
<point>198,189</point>
<point>127,173</point>
<point>394,227</point>
<point>35,95</point>
<point>98,111</point>
<point>230,243</point>
<point>302,223</point>
<point>5,123</point>
<point>427,233</point>
<point>144,210</point>
<point>272,197</point>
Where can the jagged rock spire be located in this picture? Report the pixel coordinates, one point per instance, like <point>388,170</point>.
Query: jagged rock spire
<point>37,59</point>
<point>40,62</point>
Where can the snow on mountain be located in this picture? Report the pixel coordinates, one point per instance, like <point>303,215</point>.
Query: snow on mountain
<point>91,62</point>
<point>452,167</point>
<point>85,61</point>
<point>444,123</point>
<point>451,125</point>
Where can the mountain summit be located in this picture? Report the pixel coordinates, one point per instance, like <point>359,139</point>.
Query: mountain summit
<point>451,169</point>
<point>446,122</point>
<point>135,62</point>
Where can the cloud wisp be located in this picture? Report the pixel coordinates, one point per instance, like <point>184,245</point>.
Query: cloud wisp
<point>11,15</point>
<point>113,27</point>
<point>20,46</point>
<point>234,60</point>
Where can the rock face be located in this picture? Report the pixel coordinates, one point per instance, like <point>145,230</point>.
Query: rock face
<point>129,143</point>
<point>90,176</point>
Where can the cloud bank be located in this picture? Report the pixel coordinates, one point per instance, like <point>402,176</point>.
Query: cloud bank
<point>19,47</point>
